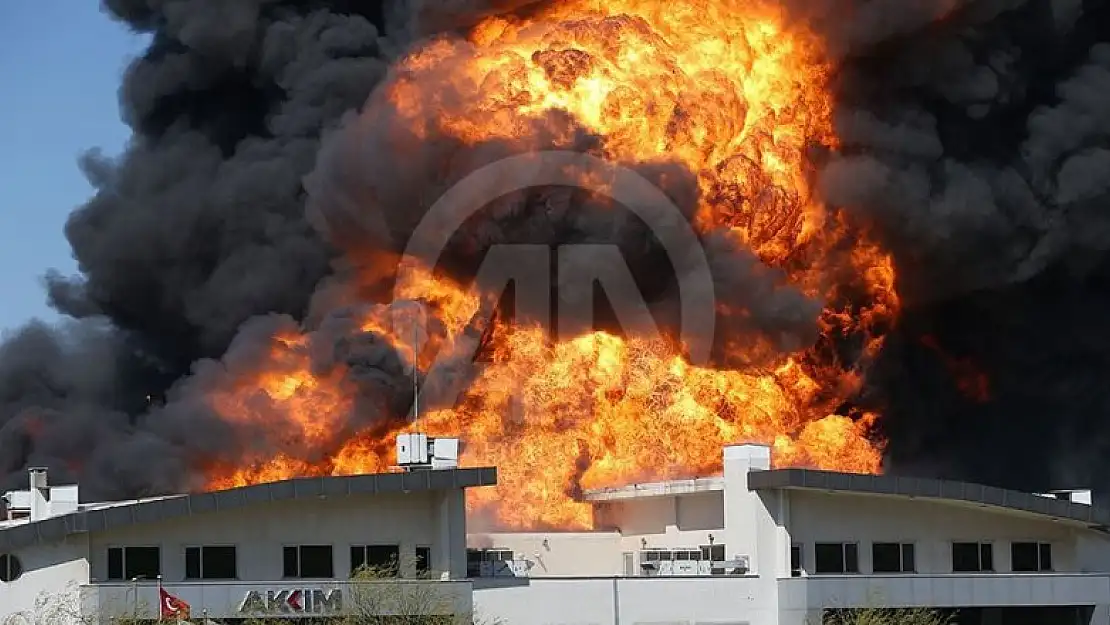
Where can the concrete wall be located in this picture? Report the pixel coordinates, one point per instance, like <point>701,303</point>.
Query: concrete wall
<point>559,554</point>
<point>227,600</point>
<point>624,601</point>
<point>51,574</point>
<point>932,526</point>
<point>260,532</point>
<point>657,522</point>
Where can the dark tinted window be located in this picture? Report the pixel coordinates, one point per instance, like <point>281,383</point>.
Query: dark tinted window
<point>291,566</point>
<point>972,557</point>
<point>886,558</point>
<point>1046,556</point>
<point>115,563</point>
<point>1030,557</point>
<point>384,558</point>
<point>892,558</point>
<point>909,564</point>
<point>795,560</point>
<point>423,560</point>
<point>316,561</point>
<point>986,557</point>
<point>828,558</point>
<point>851,558</point>
<point>192,563</point>
<point>144,562</point>
<point>219,562</point>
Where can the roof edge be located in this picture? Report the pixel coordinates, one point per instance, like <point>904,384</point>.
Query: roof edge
<point>926,488</point>
<point>139,512</point>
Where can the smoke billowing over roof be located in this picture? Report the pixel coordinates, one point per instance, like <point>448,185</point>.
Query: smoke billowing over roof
<point>974,142</point>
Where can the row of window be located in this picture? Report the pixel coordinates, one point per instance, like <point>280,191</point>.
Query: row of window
<point>220,562</point>
<point>967,557</point>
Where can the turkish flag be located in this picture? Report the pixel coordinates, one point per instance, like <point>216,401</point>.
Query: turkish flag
<point>172,607</point>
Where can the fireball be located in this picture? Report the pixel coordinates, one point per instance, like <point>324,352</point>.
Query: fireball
<point>738,94</point>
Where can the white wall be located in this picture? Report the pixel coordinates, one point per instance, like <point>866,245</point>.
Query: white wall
<point>260,532</point>
<point>48,571</point>
<point>624,601</point>
<point>574,554</point>
<point>931,525</point>
<point>659,522</point>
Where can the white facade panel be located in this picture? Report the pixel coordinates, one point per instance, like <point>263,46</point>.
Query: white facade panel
<point>245,600</point>
<point>47,569</point>
<point>558,554</point>
<point>623,601</point>
<point>260,532</point>
<point>931,525</point>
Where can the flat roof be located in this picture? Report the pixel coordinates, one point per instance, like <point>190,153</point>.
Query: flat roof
<point>656,489</point>
<point>113,515</point>
<point>923,488</point>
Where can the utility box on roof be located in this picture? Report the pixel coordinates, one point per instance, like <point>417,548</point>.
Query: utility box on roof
<point>418,451</point>
<point>412,449</point>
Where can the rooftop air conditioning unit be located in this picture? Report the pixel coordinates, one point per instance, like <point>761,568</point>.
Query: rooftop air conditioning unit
<point>419,451</point>
<point>738,565</point>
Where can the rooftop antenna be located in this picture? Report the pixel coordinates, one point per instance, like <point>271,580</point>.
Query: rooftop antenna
<point>415,371</point>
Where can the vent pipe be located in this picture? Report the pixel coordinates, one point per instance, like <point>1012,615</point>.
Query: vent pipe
<point>40,494</point>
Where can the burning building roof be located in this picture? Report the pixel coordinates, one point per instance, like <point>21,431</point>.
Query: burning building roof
<point>890,202</point>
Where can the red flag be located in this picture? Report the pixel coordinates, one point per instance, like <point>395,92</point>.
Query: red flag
<point>172,607</point>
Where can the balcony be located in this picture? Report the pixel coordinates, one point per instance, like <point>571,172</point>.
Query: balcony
<point>944,590</point>
<point>285,598</point>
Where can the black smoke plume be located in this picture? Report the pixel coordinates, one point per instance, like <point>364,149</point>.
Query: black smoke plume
<point>976,143</point>
<point>976,140</point>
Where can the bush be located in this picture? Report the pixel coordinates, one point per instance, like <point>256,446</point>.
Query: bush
<point>887,616</point>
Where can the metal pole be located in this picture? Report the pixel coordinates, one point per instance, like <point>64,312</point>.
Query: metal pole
<point>135,595</point>
<point>415,366</point>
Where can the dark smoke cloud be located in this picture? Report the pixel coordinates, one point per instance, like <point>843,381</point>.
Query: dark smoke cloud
<point>976,144</point>
<point>196,228</point>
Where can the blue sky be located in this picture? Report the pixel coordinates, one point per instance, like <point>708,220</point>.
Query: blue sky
<point>60,68</point>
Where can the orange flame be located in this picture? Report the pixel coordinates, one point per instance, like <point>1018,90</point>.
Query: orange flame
<point>732,90</point>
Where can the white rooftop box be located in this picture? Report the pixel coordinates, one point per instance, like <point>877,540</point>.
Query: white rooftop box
<point>416,450</point>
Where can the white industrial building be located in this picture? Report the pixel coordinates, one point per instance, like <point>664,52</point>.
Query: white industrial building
<point>780,547</point>
<point>283,549</point>
<point>754,546</point>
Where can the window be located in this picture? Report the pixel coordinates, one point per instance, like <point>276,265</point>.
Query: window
<point>210,563</point>
<point>1030,557</point>
<point>476,557</point>
<point>836,558</point>
<point>972,557</point>
<point>10,567</point>
<point>423,561</point>
<point>134,563</point>
<point>892,558</point>
<point>378,559</point>
<point>713,553</point>
<point>795,560</point>
<point>308,561</point>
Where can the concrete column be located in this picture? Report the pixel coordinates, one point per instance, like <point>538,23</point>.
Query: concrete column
<point>744,511</point>
<point>449,552</point>
<point>40,494</point>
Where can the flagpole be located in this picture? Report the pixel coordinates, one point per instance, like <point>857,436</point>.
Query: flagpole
<point>161,602</point>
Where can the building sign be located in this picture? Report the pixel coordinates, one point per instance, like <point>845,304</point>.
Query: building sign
<point>292,601</point>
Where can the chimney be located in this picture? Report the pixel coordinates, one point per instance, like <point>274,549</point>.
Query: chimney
<point>40,494</point>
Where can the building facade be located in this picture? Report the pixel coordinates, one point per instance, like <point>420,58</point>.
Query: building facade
<point>784,547</point>
<point>753,546</point>
<point>284,549</point>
